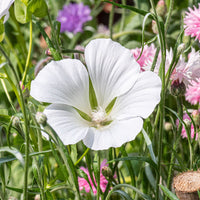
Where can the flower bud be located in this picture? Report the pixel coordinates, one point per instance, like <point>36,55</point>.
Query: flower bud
<point>181,48</point>
<point>48,52</point>
<point>178,89</point>
<point>154,27</point>
<point>37,197</point>
<point>196,117</point>
<point>187,122</point>
<point>15,121</point>
<point>107,172</point>
<point>41,118</point>
<point>161,8</point>
<point>168,126</point>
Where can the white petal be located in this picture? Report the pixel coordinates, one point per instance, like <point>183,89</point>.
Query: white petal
<point>63,82</point>
<point>114,135</point>
<point>112,69</point>
<point>67,123</point>
<point>4,8</point>
<point>141,100</point>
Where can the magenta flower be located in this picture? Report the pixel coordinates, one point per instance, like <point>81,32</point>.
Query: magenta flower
<point>193,93</point>
<point>147,56</point>
<point>73,16</point>
<point>83,184</point>
<point>192,22</point>
<point>187,121</point>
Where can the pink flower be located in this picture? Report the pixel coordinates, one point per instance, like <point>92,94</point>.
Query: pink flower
<point>193,93</point>
<point>187,120</point>
<point>83,184</point>
<point>187,72</point>
<point>192,22</point>
<point>147,56</point>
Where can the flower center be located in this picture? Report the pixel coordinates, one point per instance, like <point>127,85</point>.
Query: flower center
<point>99,118</point>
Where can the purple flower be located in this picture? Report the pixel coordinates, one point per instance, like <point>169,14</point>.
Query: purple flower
<point>73,16</point>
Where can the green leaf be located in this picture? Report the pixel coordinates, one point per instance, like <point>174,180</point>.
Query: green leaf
<point>168,193</point>
<point>4,119</point>
<point>141,12</point>
<point>138,158</point>
<point>38,8</point>
<point>21,12</point>
<point>14,152</point>
<point>83,115</point>
<point>1,30</point>
<point>110,105</point>
<point>149,145</point>
<point>92,96</point>
<point>123,194</point>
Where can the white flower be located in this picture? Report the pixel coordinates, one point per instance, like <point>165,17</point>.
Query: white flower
<point>4,8</point>
<point>114,73</point>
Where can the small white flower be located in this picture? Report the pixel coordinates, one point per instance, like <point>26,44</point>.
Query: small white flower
<point>114,74</point>
<point>4,8</point>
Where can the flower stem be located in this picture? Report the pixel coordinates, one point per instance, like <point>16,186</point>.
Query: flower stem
<point>98,176</point>
<point>111,18</point>
<point>83,155</point>
<point>170,172</point>
<point>162,102</point>
<point>123,16</point>
<point>23,108</point>
<point>29,53</point>
<point>167,22</point>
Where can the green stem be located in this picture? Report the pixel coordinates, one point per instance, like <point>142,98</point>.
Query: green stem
<point>171,168</point>
<point>29,53</point>
<point>171,5</point>
<point>23,108</point>
<point>162,102</point>
<point>7,94</point>
<point>111,18</point>
<point>82,157</point>
<point>123,16</point>
<point>98,177</point>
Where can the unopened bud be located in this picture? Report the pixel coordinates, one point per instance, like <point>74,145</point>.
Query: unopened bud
<point>181,48</point>
<point>187,122</point>
<point>41,118</point>
<point>37,197</point>
<point>178,89</point>
<point>154,27</point>
<point>107,172</point>
<point>168,126</point>
<point>196,117</point>
<point>15,121</point>
<point>161,8</point>
<point>48,52</point>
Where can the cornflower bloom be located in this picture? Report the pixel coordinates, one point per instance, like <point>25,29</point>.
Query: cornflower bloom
<point>192,94</point>
<point>73,16</point>
<point>192,22</point>
<point>147,56</point>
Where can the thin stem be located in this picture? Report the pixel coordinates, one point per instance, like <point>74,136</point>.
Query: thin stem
<point>23,108</point>
<point>8,96</point>
<point>170,172</point>
<point>111,18</point>
<point>171,5</point>
<point>29,53</point>
<point>123,16</point>
<point>83,155</point>
<point>162,102</point>
<point>98,177</point>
